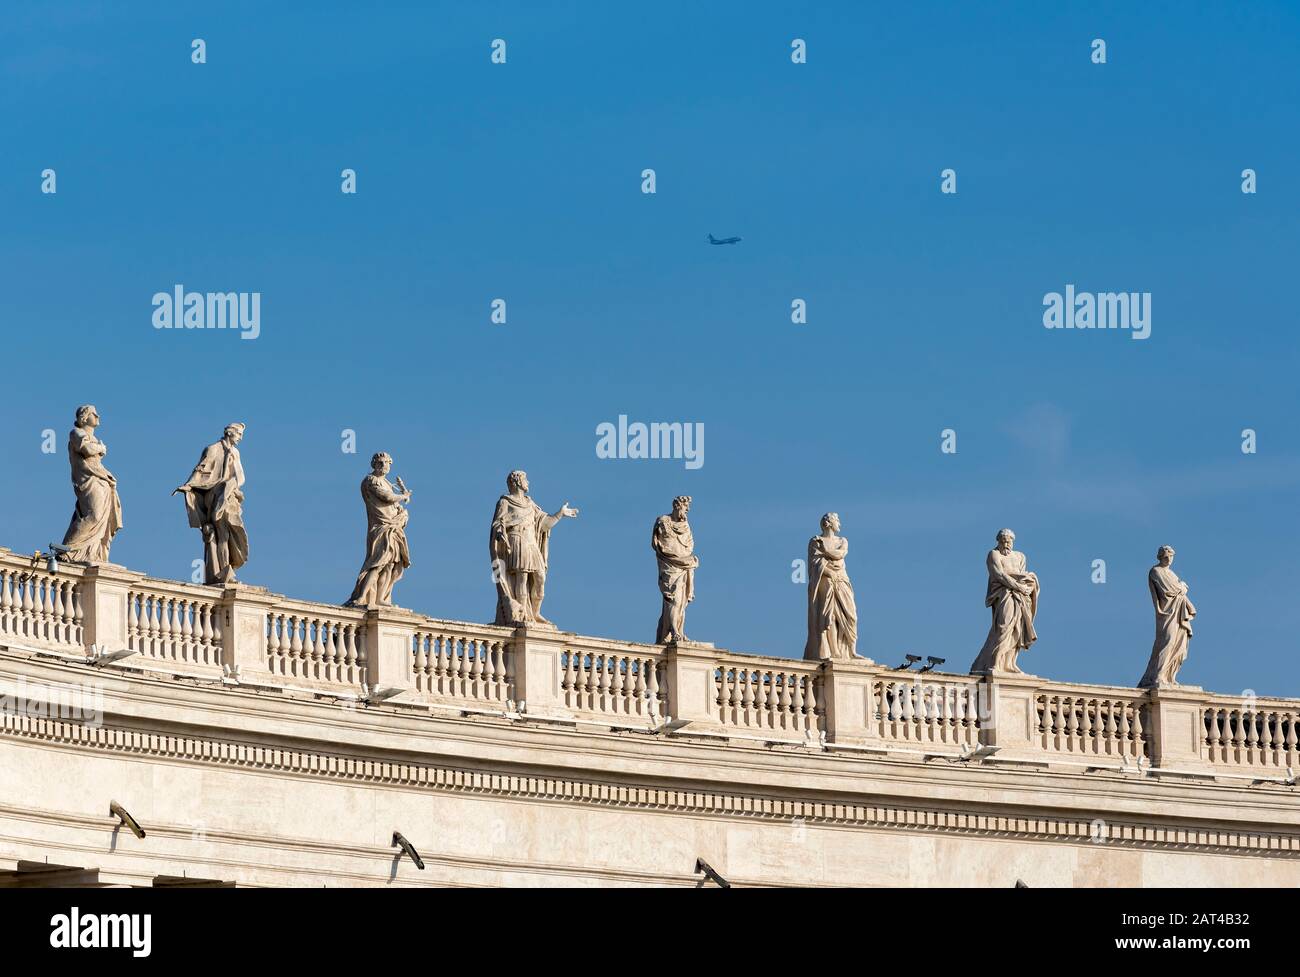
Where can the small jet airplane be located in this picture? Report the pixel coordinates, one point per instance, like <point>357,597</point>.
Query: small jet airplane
<point>725,240</point>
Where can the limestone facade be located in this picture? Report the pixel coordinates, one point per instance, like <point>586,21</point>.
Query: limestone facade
<point>261,740</point>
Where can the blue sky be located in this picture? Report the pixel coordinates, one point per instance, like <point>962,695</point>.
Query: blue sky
<point>522,181</point>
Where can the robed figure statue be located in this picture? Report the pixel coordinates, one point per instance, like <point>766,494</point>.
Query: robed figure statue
<point>832,611</point>
<point>674,548</point>
<point>98,515</point>
<point>1013,595</point>
<point>1174,613</point>
<point>519,543</point>
<point>387,556</point>
<point>214,504</point>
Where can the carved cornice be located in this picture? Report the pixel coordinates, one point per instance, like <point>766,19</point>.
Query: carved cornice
<point>888,815</point>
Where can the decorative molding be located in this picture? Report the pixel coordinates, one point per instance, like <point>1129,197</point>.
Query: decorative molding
<point>120,741</point>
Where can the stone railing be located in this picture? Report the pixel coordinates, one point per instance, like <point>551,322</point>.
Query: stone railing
<point>1256,735</point>
<point>770,698</point>
<point>1091,721</point>
<point>460,664</point>
<point>174,626</point>
<point>317,646</point>
<point>38,607</point>
<point>927,710</point>
<point>247,636</point>
<point>613,683</point>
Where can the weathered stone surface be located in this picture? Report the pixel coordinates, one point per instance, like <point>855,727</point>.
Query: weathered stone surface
<point>264,740</point>
<point>1013,597</point>
<point>832,611</point>
<point>387,555</point>
<point>674,548</point>
<point>1174,613</point>
<point>214,504</point>
<point>520,549</point>
<point>98,515</point>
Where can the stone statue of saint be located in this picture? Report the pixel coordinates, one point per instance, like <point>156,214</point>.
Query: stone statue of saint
<point>519,545</point>
<point>214,503</point>
<point>1174,613</point>
<point>386,553</point>
<point>832,612</point>
<point>1013,595</point>
<point>98,515</point>
<point>674,548</point>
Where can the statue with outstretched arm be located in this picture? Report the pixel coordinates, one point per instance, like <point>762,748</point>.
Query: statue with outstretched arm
<point>519,543</point>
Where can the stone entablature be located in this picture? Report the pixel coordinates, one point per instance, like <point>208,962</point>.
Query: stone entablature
<point>272,786</point>
<point>243,636</point>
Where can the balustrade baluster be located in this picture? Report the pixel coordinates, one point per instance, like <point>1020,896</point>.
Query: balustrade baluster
<point>652,689</point>
<point>1289,719</point>
<point>639,690</point>
<point>6,602</point>
<point>625,666</point>
<point>569,681</point>
<point>796,717</point>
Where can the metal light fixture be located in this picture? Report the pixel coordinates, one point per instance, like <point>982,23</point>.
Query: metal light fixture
<point>399,841</point>
<point>124,818</point>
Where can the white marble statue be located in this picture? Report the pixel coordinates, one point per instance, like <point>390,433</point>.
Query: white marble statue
<point>1174,613</point>
<point>832,611</point>
<point>1013,596</point>
<point>519,544</point>
<point>674,548</point>
<point>98,515</point>
<point>214,503</point>
<point>387,556</point>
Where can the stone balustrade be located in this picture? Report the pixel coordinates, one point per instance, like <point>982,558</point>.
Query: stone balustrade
<point>316,646</point>
<point>247,636</point>
<point>1091,721</point>
<point>459,664</point>
<point>769,698</point>
<point>1255,735</point>
<point>611,684</point>
<point>39,607</point>
<point>927,710</point>
<point>173,625</point>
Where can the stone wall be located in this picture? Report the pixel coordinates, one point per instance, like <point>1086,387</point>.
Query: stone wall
<point>266,741</point>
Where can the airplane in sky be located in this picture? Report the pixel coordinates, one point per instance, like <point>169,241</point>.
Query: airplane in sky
<point>725,240</point>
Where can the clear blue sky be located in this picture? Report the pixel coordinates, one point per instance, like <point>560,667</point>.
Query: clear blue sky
<point>522,181</point>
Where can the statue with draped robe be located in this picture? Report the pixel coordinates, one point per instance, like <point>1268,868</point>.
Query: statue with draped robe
<point>98,515</point>
<point>674,548</point>
<point>1174,613</point>
<point>1013,596</point>
<point>387,556</point>
<point>832,611</point>
<point>214,503</point>
<point>519,545</point>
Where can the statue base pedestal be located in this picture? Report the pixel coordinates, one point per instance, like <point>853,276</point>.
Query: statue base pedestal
<point>1008,714</point>
<point>1177,729</point>
<point>529,625</point>
<point>848,704</point>
<point>1003,674</point>
<point>1171,687</point>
